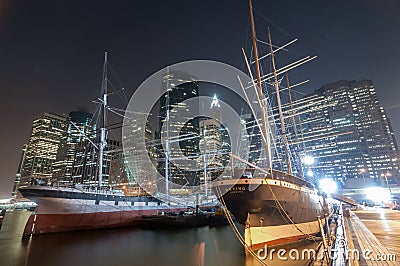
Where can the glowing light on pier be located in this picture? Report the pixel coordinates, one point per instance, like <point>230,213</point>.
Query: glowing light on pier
<point>378,194</point>
<point>328,185</point>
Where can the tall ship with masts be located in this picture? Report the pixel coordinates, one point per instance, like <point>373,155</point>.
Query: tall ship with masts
<point>94,203</point>
<point>275,206</point>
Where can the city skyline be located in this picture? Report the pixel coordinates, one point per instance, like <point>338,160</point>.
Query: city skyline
<point>51,53</point>
<point>338,110</point>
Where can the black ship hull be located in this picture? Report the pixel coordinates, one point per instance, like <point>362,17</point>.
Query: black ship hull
<point>273,211</point>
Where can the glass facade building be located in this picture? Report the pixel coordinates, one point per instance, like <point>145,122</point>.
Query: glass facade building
<point>351,136</point>
<point>85,165</point>
<point>214,144</point>
<point>178,128</point>
<point>79,127</point>
<point>48,130</point>
<point>59,151</point>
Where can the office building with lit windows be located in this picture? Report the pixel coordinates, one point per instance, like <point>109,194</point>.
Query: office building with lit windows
<point>351,136</point>
<point>63,150</point>
<point>85,166</point>
<point>40,153</point>
<point>256,147</point>
<point>214,144</point>
<point>80,126</point>
<point>178,128</point>
<point>141,169</point>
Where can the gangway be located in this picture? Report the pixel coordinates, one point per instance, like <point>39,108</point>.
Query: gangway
<point>344,199</point>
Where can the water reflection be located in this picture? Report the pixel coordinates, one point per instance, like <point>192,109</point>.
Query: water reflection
<point>12,248</point>
<point>128,246</point>
<point>298,254</point>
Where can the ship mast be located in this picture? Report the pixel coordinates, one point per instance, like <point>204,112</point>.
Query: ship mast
<point>103,130</point>
<point>293,118</point>
<point>282,120</point>
<point>167,139</point>
<point>265,125</point>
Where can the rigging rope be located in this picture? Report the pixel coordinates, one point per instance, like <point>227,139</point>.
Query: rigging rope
<point>235,230</point>
<point>273,24</point>
<point>281,209</point>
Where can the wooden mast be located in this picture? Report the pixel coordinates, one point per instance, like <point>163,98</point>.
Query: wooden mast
<point>264,118</point>
<point>282,120</point>
<point>293,117</point>
<point>103,130</point>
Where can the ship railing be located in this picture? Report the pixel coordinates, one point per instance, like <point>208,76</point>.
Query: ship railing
<point>276,174</point>
<point>80,188</point>
<point>175,200</point>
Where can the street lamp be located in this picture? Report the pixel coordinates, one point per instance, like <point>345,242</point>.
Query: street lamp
<point>362,172</point>
<point>386,175</point>
<point>308,161</point>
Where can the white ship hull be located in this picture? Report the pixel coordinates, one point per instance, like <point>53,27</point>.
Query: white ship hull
<point>67,209</point>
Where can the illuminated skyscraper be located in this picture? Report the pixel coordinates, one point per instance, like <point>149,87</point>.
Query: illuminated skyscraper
<point>141,170</point>
<point>254,141</point>
<point>85,165</point>
<point>47,132</point>
<point>176,123</point>
<point>213,143</point>
<point>364,144</point>
<point>79,127</point>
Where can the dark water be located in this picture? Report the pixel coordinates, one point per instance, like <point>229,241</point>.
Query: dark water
<point>124,246</point>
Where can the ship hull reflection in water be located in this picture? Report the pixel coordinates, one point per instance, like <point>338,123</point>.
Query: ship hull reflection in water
<point>125,246</point>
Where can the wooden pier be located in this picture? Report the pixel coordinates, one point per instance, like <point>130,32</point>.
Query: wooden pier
<point>355,244</point>
<point>371,250</point>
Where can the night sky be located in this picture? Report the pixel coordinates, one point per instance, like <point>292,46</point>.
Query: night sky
<point>51,52</point>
